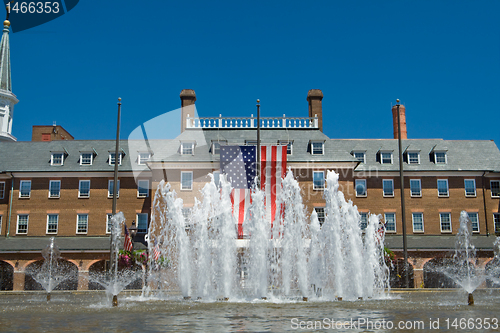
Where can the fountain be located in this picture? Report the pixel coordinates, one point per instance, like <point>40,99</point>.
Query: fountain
<point>288,259</point>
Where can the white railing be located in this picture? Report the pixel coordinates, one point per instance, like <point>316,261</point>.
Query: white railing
<point>251,122</point>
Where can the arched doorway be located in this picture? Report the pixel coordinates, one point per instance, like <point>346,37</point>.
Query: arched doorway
<point>6,276</point>
<point>95,270</point>
<point>438,273</point>
<point>493,272</point>
<point>36,271</point>
<point>397,270</point>
<point>98,273</point>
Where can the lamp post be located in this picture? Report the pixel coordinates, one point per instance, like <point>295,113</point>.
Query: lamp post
<point>133,230</point>
<point>401,180</point>
<point>257,173</point>
<point>114,264</point>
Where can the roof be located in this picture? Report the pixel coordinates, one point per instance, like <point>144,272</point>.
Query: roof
<point>436,242</point>
<point>36,244</point>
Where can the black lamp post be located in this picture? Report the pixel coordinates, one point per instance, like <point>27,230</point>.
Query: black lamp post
<point>133,230</point>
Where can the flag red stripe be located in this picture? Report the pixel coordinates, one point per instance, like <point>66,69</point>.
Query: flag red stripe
<point>241,217</point>
<point>263,160</point>
<point>283,161</point>
<point>274,162</point>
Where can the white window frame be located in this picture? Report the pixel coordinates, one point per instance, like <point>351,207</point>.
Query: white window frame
<point>319,188</point>
<point>50,189</point>
<point>87,225</point>
<point>465,188</point>
<point>52,158</point>
<point>477,221</point>
<point>220,143</point>
<point>141,160</point>
<point>382,158</point>
<point>356,181</point>
<point>1,220</point>
<point>108,221</point>
<point>110,158</point>
<point>192,181</point>
<point>496,220</point>
<point>447,188</point>
<point>2,190</point>
<point>360,152</point>
<point>363,225</point>
<point>385,219</point>
<point>445,157</point>
<point>392,188</point>
<point>27,224</point>
<point>413,222</point>
<point>47,226</point>
<point>216,178</point>
<point>86,153</point>
<point>80,188</point>
<point>139,181</point>
<point>317,209</point>
<point>441,223</point>
<point>20,189</point>
<point>491,188</point>
<point>288,144</point>
<point>322,147</point>
<point>419,186</point>
<point>413,152</point>
<point>147,221</point>
<point>187,152</point>
<point>110,189</point>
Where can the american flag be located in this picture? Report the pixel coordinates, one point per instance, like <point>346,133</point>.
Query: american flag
<point>127,242</point>
<point>156,251</point>
<point>239,164</point>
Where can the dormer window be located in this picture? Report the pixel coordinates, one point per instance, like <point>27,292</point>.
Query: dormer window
<point>413,157</point>
<point>317,147</point>
<point>142,158</point>
<point>216,146</point>
<point>187,148</point>
<point>86,158</point>
<point>289,146</point>
<point>57,159</point>
<point>386,157</point>
<point>360,156</point>
<point>112,159</point>
<point>440,157</point>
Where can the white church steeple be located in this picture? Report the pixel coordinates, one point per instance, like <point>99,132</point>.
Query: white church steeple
<point>7,98</point>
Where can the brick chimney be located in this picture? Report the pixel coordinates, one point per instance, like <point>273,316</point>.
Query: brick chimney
<point>314,97</point>
<point>188,97</point>
<point>402,118</point>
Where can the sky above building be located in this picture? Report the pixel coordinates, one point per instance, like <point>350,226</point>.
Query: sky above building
<point>440,58</point>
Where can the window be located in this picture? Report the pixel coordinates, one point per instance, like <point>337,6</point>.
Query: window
<point>360,156</point>
<point>187,148</point>
<point>496,222</point>
<point>142,158</point>
<point>108,223</point>
<point>470,187</point>
<point>57,159</point>
<point>86,158</point>
<point>445,221</point>
<point>289,146</point>
<point>363,223</point>
<point>474,221</point>
<point>2,190</point>
<point>440,157</point>
<point>25,189</point>
<point>186,180</point>
<point>22,223</point>
<point>413,157</point>
<point>495,188</point>
<point>317,148</point>
<point>54,189</point>
<point>112,158</point>
<point>142,222</point>
<point>84,189</point>
<point>390,222</point>
<point>143,188</point>
<point>217,178</point>
<point>52,220</point>
<point>216,146</point>
<point>320,211</point>
<point>82,223</point>
<point>386,157</point>
<point>318,180</point>
<point>388,187</point>
<point>442,185</point>
<point>360,187</point>
<point>111,184</point>
<point>418,222</point>
<point>415,188</point>
<point>0,223</point>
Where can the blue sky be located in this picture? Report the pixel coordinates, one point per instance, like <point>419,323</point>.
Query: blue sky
<point>441,58</point>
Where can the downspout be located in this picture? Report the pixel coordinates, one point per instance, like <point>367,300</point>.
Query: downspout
<point>10,202</point>
<point>484,205</point>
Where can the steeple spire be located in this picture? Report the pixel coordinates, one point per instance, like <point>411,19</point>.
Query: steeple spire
<point>7,98</point>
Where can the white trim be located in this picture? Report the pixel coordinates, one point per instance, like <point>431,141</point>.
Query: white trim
<point>491,192</point>
<point>419,186</point>
<point>441,223</point>
<point>147,193</point>
<point>27,224</point>
<point>21,186</point>
<point>80,187</point>
<point>413,223</point>
<point>383,192</point>
<point>137,219</point>
<point>215,165</point>
<point>192,180</point>
<point>1,220</point>
<point>52,158</point>
<point>465,188</point>
<point>386,152</point>
<point>322,147</point>
<point>354,152</point>
<point>445,157</point>
<point>108,218</point>
<point>86,232</point>
<point>408,152</point>
<point>91,157</point>
<point>50,186</point>
<point>395,225</point>
<point>139,157</point>
<point>85,174</point>
<point>324,180</point>
<point>110,190</point>
<point>182,148</point>
<point>382,173</point>
<point>356,188</point>
<point>119,158</point>
<point>477,217</point>
<point>497,215</point>
<point>2,192</point>
<point>47,226</point>
<point>447,188</point>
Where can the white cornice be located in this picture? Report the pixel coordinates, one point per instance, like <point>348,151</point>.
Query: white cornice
<point>55,174</point>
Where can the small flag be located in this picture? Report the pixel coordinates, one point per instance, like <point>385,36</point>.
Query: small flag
<point>380,232</point>
<point>127,242</point>
<point>156,251</point>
